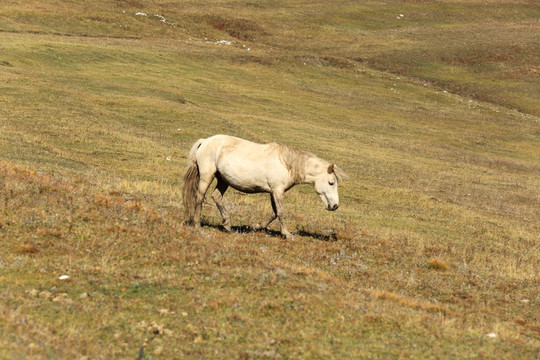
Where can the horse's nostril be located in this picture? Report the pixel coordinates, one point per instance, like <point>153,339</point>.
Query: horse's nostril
<point>334,208</point>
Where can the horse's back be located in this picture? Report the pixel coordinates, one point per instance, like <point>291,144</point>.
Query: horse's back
<point>245,165</point>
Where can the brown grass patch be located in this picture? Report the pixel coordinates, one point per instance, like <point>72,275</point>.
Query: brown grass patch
<point>56,233</point>
<point>411,303</point>
<point>27,249</point>
<point>437,264</point>
<point>241,29</point>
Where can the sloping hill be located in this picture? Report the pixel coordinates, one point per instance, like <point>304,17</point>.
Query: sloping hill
<point>431,107</point>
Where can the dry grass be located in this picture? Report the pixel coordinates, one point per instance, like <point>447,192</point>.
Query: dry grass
<point>140,278</point>
<point>435,244</point>
<point>437,264</point>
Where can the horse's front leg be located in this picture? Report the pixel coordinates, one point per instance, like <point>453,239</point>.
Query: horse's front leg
<point>264,224</point>
<point>278,197</point>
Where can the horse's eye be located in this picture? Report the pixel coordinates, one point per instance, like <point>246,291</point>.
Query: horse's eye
<point>331,183</point>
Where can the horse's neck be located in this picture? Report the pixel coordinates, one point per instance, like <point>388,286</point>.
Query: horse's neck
<point>312,170</point>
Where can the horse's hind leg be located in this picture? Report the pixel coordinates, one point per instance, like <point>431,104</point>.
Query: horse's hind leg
<point>217,195</point>
<point>264,224</point>
<point>204,183</point>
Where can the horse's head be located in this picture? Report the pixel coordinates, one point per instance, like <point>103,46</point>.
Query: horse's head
<point>326,185</point>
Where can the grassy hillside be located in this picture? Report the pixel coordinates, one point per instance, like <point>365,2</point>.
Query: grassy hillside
<point>430,107</point>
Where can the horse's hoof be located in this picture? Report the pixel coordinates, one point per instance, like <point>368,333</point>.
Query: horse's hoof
<point>288,236</point>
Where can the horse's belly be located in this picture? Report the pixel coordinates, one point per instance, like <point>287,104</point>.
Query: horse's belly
<point>246,176</point>
<point>245,183</point>
<point>250,189</point>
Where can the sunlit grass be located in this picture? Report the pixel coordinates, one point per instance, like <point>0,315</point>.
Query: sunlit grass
<point>434,247</point>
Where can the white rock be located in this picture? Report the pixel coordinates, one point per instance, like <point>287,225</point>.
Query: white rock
<point>63,277</point>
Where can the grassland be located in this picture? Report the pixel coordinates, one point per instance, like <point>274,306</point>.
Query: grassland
<point>432,108</point>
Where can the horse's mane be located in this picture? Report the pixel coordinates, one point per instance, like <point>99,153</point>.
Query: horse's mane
<point>340,174</point>
<point>295,161</point>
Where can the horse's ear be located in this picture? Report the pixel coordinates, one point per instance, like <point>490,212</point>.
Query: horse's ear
<point>331,168</point>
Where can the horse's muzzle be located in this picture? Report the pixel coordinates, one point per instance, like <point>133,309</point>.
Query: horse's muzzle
<point>333,208</point>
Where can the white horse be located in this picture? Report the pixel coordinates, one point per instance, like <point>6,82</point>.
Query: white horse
<point>254,168</point>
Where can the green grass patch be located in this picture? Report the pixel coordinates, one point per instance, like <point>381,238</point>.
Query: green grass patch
<point>430,108</point>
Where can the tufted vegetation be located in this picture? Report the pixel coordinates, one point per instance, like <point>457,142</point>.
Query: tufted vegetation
<point>431,108</point>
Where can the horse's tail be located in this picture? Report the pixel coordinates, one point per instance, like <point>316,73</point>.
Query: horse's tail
<point>191,182</point>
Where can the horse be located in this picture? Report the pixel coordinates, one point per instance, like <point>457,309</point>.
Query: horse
<point>254,168</point>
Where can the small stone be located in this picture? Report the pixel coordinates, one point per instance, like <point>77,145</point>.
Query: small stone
<point>45,294</point>
<point>155,329</point>
<point>62,298</point>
